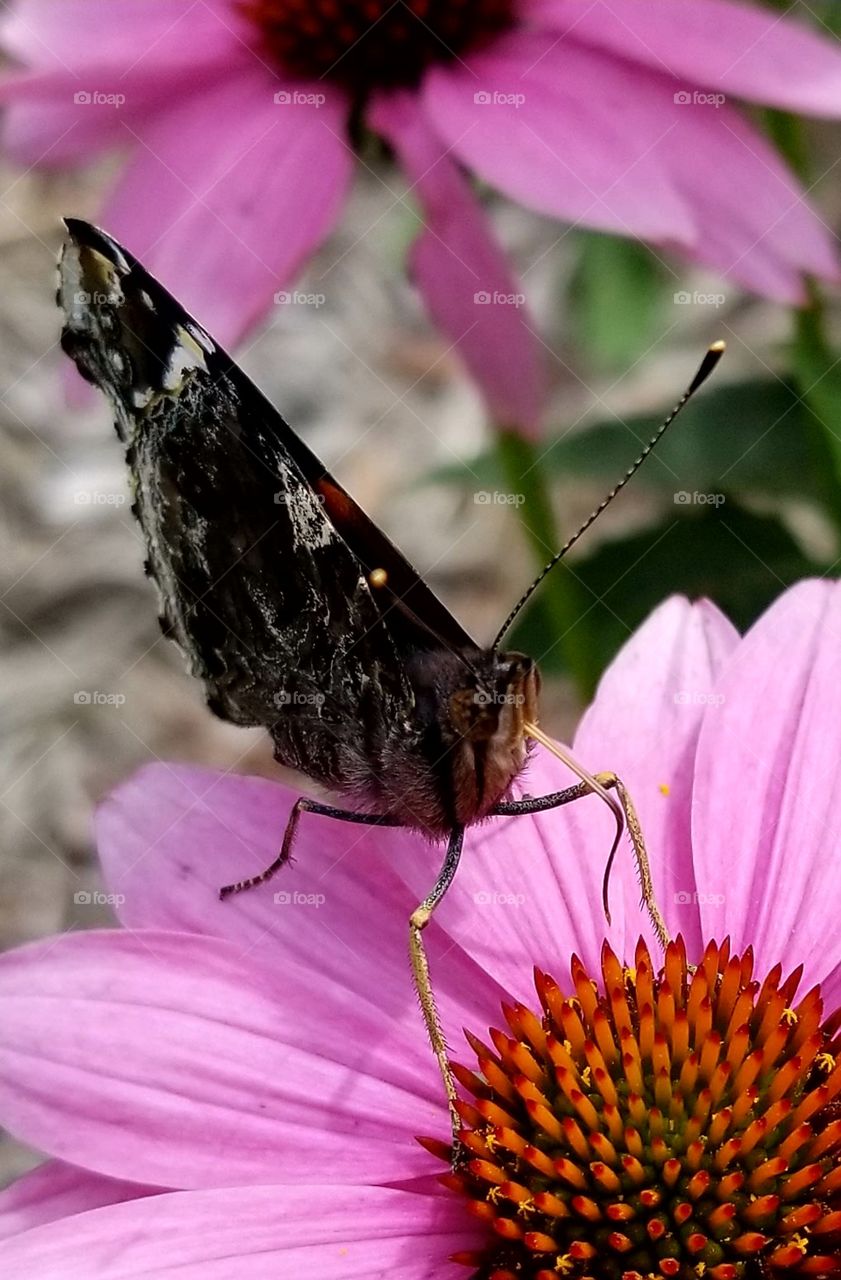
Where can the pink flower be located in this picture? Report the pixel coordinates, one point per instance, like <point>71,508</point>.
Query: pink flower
<point>239,119</point>
<point>255,1069</point>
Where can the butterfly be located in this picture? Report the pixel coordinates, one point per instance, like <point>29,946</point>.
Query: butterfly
<point>294,608</point>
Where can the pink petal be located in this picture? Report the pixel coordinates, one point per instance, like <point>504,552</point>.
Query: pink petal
<point>644,726</point>
<point>758,228</point>
<point>180,1061</point>
<point>84,35</point>
<point>739,49</point>
<point>831,989</point>
<point>56,1190</point>
<point>46,123</point>
<point>172,836</point>
<point>262,1233</point>
<point>469,287</point>
<point>744,213</point>
<point>145,54</point>
<point>525,116</point>
<point>766,823</point>
<point>230,192</point>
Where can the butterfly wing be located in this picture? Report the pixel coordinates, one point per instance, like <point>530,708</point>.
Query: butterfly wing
<point>263,561</point>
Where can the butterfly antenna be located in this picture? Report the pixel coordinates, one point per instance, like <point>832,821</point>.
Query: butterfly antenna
<point>709,362</point>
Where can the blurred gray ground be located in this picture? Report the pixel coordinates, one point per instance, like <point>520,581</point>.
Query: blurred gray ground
<point>374,390</point>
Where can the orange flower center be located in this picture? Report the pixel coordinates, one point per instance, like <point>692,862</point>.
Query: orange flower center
<point>685,1123</point>
<point>364,44</point>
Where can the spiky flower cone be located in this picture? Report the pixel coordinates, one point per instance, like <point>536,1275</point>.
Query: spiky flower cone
<point>680,1123</point>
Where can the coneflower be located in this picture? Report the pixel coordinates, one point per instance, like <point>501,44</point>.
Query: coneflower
<point>234,1089</point>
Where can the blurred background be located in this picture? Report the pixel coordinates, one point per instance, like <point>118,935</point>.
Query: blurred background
<point>742,498</point>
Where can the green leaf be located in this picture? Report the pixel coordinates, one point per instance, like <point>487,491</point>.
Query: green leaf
<point>755,438</point>
<point>739,560</point>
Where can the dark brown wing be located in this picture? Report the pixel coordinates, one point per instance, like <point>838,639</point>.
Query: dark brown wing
<point>262,559</point>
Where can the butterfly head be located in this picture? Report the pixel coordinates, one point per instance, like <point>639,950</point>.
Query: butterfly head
<point>471,707</point>
<point>487,715</point>
<point>495,698</point>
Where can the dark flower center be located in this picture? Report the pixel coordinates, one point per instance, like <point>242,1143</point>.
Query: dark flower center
<point>365,44</point>
<point>673,1124</point>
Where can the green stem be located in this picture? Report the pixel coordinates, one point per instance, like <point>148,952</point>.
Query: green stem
<point>561,596</point>
<point>788,136</point>
<point>817,373</point>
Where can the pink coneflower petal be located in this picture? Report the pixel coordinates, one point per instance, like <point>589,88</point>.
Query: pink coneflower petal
<point>152,54</point>
<point>741,50</point>
<point>239,203</point>
<point>766,818</point>
<point>170,837</point>
<point>263,1233</point>
<point>115,1042</point>
<point>57,1190</point>
<point>742,212</point>
<point>168,857</point>
<point>42,124</point>
<point>759,228</point>
<point>59,35</point>
<point>643,725</point>
<point>467,283</point>
<point>526,117</point>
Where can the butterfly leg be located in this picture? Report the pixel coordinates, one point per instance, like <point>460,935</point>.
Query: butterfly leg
<point>304,805</point>
<point>418,921</point>
<point>609,782</point>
